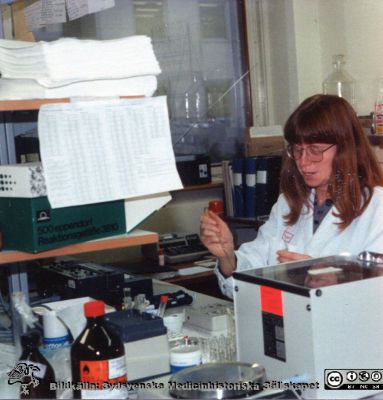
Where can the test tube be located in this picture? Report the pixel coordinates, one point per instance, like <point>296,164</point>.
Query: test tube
<point>162,306</point>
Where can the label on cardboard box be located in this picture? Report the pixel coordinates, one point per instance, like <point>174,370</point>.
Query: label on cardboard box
<point>32,225</point>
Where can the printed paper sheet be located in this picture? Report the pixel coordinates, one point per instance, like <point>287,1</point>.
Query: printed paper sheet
<point>95,151</point>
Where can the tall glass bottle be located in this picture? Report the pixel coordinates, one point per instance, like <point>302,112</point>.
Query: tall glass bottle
<point>195,99</point>
<point>339,82</point>
<point>36,384</point>
<point>98,358</point>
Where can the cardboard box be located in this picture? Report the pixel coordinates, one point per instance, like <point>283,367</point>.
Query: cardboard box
<point>264,141</point>
<point>32,225</point>
<point>22,180</point>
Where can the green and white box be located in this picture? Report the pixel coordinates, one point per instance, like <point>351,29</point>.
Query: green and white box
<point>32,225</point>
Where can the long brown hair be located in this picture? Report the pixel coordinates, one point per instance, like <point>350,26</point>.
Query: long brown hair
<point>355,170</point>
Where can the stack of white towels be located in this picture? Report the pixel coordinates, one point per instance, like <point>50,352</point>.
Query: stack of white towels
<point>71,67</point>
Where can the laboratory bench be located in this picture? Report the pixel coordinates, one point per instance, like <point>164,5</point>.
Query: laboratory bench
<point>304,314</point>
<point>200,301</point>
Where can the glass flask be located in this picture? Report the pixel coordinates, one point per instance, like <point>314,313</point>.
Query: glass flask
<point>339,82</point>
<point>195,98</point>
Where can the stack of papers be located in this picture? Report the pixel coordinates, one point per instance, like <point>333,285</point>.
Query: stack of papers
<point>72,67</point>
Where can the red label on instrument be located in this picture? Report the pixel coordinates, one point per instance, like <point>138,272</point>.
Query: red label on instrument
<point>271,300</point>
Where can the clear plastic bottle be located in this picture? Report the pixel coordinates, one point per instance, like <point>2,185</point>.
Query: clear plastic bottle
<point>98,358</point>
<point>378,115</point>
<point>339,82</point>
<point>36,384</point>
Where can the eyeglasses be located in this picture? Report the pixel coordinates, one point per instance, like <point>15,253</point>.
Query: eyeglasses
<point>313,153</point>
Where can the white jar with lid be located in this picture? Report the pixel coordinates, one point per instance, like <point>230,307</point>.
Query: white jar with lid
<point>184,356</point>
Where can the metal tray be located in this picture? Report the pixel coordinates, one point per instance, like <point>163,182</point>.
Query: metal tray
<point>217,381</point>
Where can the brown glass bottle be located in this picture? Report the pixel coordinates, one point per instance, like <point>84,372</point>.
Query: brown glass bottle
<point>98,357</point>
<point>39,373</point>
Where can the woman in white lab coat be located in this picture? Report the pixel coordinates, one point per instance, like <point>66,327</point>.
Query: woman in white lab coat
<point>331,199</point>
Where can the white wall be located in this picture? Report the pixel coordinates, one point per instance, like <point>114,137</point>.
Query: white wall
<point>182,214</point>
<point>303,35</point>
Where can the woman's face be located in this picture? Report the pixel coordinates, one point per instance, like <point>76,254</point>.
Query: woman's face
<point>315,163</point>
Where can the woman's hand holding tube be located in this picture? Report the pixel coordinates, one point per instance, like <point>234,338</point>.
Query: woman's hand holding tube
<point>216,236</point>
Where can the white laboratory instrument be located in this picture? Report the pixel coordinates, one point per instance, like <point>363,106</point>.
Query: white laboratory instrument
<point>317,320</point>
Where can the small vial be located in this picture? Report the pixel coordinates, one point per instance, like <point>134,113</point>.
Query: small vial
<point>162,306</point>
<point>161,257</point>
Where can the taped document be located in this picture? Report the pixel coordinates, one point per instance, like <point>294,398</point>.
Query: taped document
<point>96,151</point>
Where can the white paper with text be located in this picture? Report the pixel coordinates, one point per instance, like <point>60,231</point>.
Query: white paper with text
<point>95,151</point>
<point>79,8</point>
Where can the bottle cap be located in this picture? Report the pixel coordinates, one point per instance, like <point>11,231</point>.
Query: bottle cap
<point>164,299</point>
<point>94,308</point>
<point>217,206</point>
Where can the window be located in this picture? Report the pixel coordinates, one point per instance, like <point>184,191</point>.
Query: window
<point>200,45</point>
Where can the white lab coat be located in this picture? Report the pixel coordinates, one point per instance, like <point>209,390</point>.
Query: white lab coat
<point>365,233</point>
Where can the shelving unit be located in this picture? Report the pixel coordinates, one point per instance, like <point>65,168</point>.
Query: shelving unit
<point>135,238</point>
<point>12,259</point>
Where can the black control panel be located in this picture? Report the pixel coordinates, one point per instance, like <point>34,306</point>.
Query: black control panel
<point>71,278</point>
